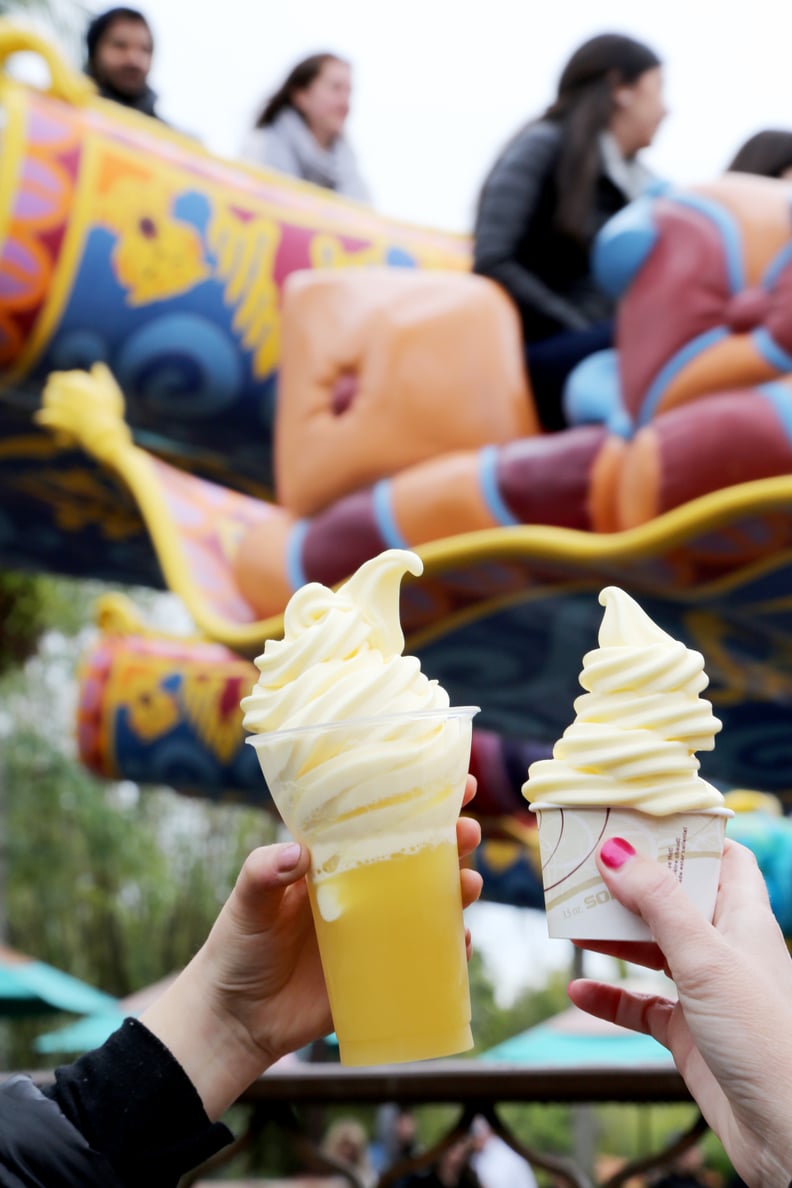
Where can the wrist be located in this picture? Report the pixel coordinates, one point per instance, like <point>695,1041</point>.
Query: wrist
<point>214,1049</point>
<point>773,1168</point>
<point>763,1145</point>
<point>134,1104</point>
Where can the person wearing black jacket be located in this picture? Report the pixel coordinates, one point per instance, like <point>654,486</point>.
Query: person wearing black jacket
<point>144,1109</point>
<point>551,190</point>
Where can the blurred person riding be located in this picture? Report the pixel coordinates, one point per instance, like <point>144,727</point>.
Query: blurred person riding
<point>553,187</point>
<point>767,153</point>
<point>346,1141</point>
<point>687,1170</point>
<point>300,130</point>
<point>396,1136</point>
<point>452,1170</point>
<point>119,47</point>
<point>495,1163</point>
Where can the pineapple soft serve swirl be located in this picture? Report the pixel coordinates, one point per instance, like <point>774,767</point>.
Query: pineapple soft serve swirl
<point>340,660</point>
<point>637,727</point>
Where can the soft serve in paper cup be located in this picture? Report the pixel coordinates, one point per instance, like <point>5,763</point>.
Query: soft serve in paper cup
<point>627,767</point>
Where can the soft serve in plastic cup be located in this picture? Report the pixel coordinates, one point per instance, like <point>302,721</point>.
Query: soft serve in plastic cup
<point>366,763</point>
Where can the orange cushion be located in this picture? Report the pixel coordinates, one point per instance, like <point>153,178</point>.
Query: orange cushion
<point>383,368</point>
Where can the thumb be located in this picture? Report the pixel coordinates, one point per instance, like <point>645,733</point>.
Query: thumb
<point>265,875</point>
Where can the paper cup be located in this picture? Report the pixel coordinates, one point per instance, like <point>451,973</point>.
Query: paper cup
<point>577,902</point>
<point>376,802</point>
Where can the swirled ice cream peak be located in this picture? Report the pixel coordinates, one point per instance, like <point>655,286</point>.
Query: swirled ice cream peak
<point>637,726</point>
<point>341,654</point>
<point>379,781</point>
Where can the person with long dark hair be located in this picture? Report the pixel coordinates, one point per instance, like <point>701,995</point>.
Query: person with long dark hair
<point>300,130</point>
<point>550,191</point>
<point>767,153</point>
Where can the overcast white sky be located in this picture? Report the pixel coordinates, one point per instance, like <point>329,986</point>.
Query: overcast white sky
<point>440,85</point>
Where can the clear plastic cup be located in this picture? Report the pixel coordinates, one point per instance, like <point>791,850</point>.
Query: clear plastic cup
<point>376,801</point>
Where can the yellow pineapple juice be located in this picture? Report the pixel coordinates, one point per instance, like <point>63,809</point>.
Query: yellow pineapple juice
<point>393,954</point>
<point>376,802</point>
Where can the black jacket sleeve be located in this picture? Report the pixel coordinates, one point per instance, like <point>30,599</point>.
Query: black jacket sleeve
<point>40,1148</point>
<point>508,204</point>
<point>123,1116</point>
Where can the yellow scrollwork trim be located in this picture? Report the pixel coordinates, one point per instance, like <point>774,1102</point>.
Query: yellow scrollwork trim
<point>245,254</point>
<point>745,800</point>
<point>65,83</point>
<point>87,408</point>
<point>115,614</point>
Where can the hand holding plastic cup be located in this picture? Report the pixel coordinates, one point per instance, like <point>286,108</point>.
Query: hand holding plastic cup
<point>376,801</point>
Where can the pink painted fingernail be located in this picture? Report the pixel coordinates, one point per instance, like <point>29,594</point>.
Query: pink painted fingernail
<point>288,857</point>
<point>616,851</point>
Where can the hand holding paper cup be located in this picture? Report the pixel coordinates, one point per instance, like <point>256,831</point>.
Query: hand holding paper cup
<point>367,762</point>
<point>626,767</point>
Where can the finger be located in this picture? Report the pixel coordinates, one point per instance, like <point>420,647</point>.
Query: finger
<point>471,784</point>
<point>643,953</point>
<point>266,874</point>
<point>742,897</point>
<point>743,912</point>
<point>468,833</point>
<point>273,866</point>
<point>657,1016</point>
<point>648,888</point>
<point>468,944</point>
<point>647,1013</point>
<point>471,883</point>
<point>742,915</point>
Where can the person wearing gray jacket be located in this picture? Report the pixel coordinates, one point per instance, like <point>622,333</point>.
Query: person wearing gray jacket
<point>550,191</point>
<point>301,128</point>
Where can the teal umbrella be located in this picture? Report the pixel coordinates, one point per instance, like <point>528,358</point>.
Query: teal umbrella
<point>577,1039</point>
<point>96,1027</point>
<point>30,987</point>
<point>87,1033</point>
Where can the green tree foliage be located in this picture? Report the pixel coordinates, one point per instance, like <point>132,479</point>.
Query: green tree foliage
<point>117,886</point>
<point>22,618</point>
<point>114,884</point>
<point>32,604</point>
<point>493,1023</point>
<point>46,9</point>
<point>62,19</point>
